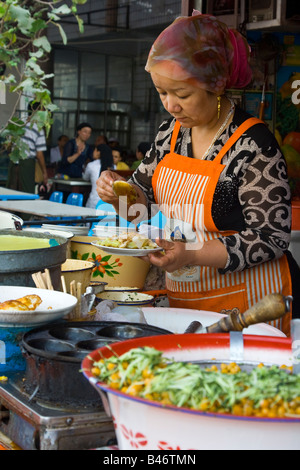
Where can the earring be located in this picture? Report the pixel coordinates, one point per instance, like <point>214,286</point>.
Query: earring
<point>219,106</point>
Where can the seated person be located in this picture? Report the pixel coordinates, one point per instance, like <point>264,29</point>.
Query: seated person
<point>57,152</point>
<point>141,151</point>
<point>119,164</point>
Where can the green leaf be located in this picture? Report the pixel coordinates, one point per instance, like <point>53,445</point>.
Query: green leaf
<point>80,24</point>
<point>42,42</point>
<point>85,256</point>
<point>38,25</point>
<point>62,10</point>
<point>22,17</point>
<point>62,33</point>
<point>106,258</point>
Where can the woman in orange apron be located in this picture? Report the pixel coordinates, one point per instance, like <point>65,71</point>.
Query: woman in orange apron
<point>216,173</point>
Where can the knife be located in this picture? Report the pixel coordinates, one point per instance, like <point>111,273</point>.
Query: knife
<point>272,307</point>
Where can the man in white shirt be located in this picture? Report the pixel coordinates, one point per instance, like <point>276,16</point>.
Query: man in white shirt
<point>21,175</point>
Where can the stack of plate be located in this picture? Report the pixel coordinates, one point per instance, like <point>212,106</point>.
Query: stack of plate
<point>74,229</point>
<point>103,231</point>
<point>66,234</point>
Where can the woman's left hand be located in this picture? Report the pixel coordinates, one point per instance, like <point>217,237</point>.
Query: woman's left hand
<point>175,255</point>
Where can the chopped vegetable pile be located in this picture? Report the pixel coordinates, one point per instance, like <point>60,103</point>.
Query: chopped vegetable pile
<point>144,372</point>
<point>128,240</point>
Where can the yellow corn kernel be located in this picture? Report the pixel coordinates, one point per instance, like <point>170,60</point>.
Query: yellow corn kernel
<point>114,385</point>
<point>166,401</point>
<point>264,404</point>
<point>237,410</point>
<point>146,373</point>
<point>115,377</point>
<point>281,410</point>
<point>149,396</point>
<point>95,371</point>
<point>204,405</point>
<point>111,366</point>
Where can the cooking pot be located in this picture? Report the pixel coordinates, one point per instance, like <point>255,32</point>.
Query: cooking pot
<point>17,266</point>
<point>148,425</point>
<point>53,355</point>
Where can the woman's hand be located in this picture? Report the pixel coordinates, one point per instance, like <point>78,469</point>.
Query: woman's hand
<point>104,186</point>
<point>178,254</point>
<point>175,255</point>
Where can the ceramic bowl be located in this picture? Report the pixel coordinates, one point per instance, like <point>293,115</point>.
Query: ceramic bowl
<point>78,271</point>
<point>131,298</point>
<point>116,270</point>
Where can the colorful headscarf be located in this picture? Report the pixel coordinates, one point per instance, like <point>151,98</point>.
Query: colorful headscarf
<point>202,49</point>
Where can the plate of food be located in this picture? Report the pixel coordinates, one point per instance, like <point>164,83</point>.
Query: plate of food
<point>29,306</point>
<point>128,244</point>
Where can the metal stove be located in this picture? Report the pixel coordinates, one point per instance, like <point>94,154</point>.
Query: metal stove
<point>38,425</point>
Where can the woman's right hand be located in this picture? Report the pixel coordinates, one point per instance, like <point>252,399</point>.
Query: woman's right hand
<point>104,186</point>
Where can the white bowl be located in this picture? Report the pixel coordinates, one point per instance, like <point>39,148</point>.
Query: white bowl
<point>178,319</point>
<point>55,305</point>
<point>142,424</point>
<point>131,298</point>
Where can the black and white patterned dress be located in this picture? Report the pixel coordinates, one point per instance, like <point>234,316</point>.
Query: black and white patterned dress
<point>252,196</point>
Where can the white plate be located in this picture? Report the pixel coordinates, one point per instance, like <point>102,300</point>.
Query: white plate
<point>178,319</point>
<point>110,231</point>
<point>78,230</point>
<point>127,251</point>
<point>54,306</point>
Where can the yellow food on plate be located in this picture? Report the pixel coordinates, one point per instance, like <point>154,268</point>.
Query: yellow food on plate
<point>28,302</point>
<point>122,188</point>
<point>129,241</point>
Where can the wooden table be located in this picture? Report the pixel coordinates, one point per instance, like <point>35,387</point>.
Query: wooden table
<point>42,209</point>
<point>7,194</point>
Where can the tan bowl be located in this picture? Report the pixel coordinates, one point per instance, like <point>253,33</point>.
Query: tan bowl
<point>78,271</point>
<point>116,270</point>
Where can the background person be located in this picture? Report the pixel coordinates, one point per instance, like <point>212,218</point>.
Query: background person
<point>119,164</point>
<point>77,152</point>
<point>217,174</point>
<point>140,154</point>
<point>56,153</point>
<point>102,160</point>
<point>21,175</point>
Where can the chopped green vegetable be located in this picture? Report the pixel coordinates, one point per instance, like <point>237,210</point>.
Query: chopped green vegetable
<point>145,372</point>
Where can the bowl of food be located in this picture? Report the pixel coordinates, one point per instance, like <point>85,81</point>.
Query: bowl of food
<point>112,268</point>
<point>127,298</point>
<point>227,391</point>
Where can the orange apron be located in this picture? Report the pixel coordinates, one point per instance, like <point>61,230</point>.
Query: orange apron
<point>184,188</point>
